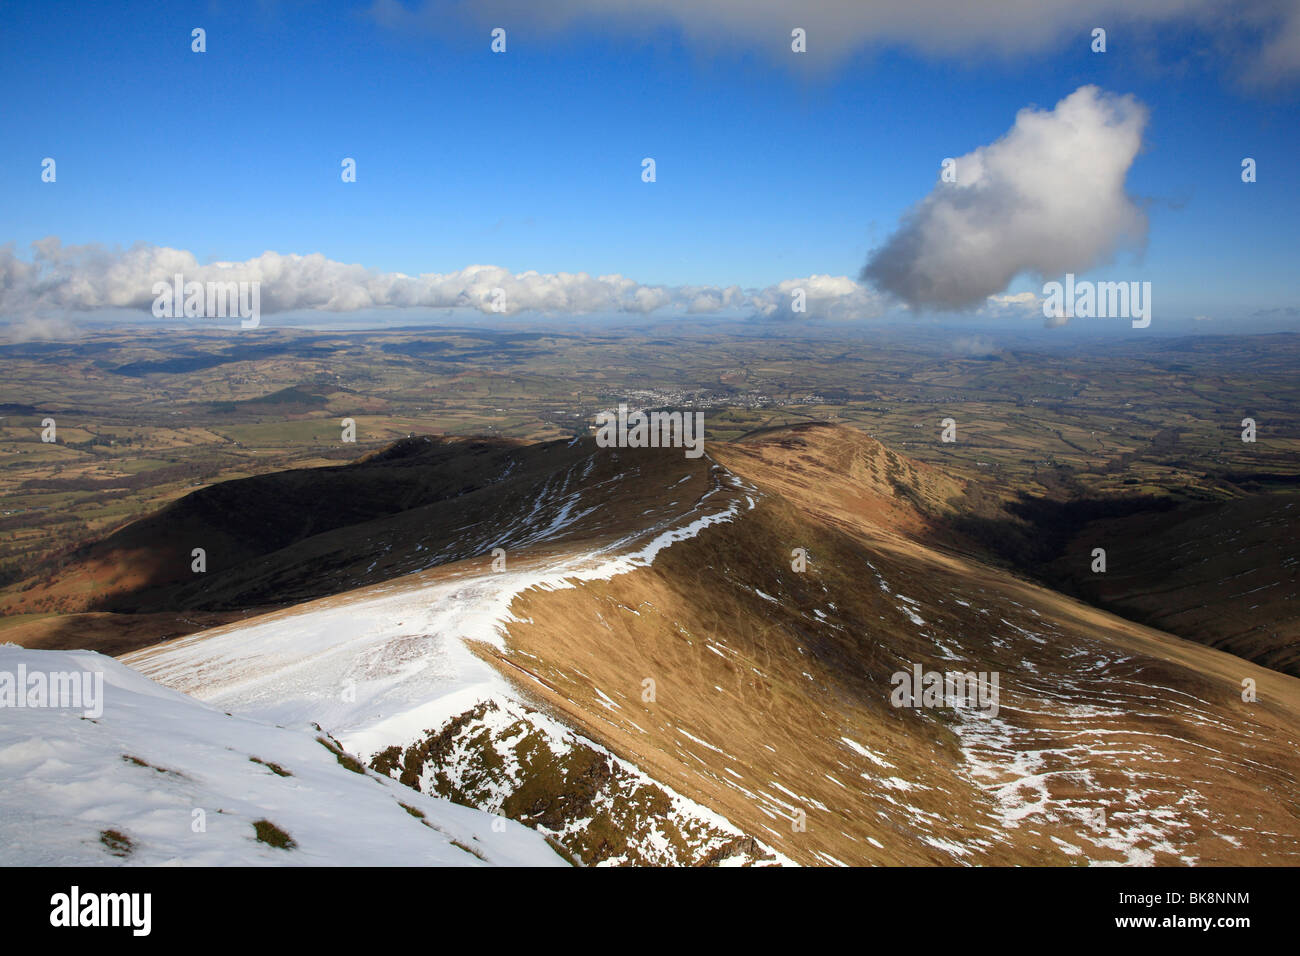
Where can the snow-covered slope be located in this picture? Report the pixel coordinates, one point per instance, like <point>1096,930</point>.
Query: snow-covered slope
<point>159,778</point>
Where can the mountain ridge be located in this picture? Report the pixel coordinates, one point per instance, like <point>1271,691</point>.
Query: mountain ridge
<point>692,661</point>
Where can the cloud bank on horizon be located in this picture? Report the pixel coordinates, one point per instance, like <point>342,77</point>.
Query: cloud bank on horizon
<point>1047,198</point>
<point>60,280</point>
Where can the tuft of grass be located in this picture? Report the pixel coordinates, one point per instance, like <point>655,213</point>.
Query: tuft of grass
<point>270,834</point>
<point>148,766</point>
<point>275,768</point>
<point>413,811</point>
<point>346,759</point>
<point>117,842</point>
<point>469,850</point>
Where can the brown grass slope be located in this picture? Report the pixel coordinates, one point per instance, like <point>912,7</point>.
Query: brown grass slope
<point>1114,742</point>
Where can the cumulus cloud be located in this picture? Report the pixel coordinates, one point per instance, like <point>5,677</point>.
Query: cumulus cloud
<point>1265,32</point>
<point>1047,198</point>
<point>67,279</point>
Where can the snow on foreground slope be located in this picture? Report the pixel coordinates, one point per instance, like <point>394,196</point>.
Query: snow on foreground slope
<point>123,787</point>
<point>388,666</point>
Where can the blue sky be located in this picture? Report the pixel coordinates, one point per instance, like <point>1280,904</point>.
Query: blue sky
<point>531,159</point>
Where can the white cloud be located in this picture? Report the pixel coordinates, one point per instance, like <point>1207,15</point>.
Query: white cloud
<point>60,280</point>
<point>1047,198</point>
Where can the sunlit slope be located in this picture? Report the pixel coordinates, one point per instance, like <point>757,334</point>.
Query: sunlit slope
<point>1113,743</point>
